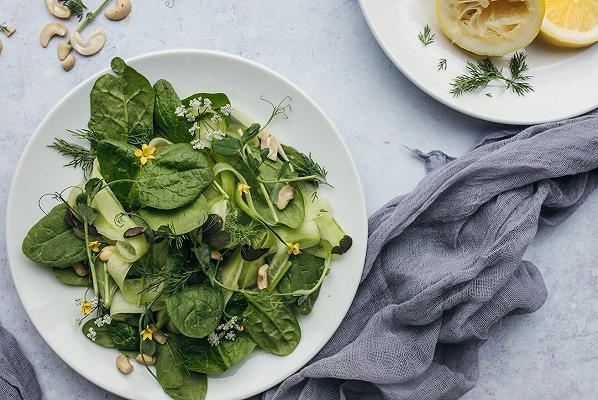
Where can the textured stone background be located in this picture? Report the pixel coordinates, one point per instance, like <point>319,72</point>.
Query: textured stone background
<point>325,48</point>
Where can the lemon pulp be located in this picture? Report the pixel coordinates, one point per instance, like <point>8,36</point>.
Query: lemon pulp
<point>571,23</point>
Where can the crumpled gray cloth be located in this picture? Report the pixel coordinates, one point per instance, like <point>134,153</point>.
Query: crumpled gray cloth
<point>444,266</point>
<point>17,378</point>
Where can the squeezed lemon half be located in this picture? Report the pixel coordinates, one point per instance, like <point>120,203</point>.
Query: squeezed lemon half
<point>491,27</point>
<point>571,23</point>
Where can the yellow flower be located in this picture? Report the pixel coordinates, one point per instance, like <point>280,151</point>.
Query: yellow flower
<point>294,248</point>
<point>145,153</point>
<point>147,333</point>
<point>243,188</point>
<point>86,307</point>
<point>94,246</point>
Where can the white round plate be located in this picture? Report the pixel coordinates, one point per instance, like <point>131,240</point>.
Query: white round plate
<point>50,304</point>
<point>565,82</point>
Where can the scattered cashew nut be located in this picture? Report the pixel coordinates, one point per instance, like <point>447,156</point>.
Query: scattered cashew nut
<point>160,337</point>
<point>270,142</point>
<point>9,30</point>
<point>91,45</point>
<point>145,359</point>
<point>106,252</point>
<point>123,364</point>
<point>63,50</point>
<point>58,10</point>
<point>216,255</point>
<point>122,9</point>
<point>68,63</point>
<point>285,194</point>
<point>80,270</point>
<point>262,277</point>
<point>51,29</point>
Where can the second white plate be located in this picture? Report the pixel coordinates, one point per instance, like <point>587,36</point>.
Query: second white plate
<point>565,82</point>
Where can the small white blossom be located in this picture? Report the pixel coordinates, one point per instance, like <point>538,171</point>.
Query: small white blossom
<point>214,339</point>
<point>107,319</point>
<point>207,103</point>
<point>91,333</point>
<point>230,335</point>
<point>78,322</point>
<point>226,109</point>
<point>219,135</point>
<point>180,111</point>
<point>195,103</point>
<point>221,327</point>
<point>94,302</point>
<point>216,118</point>
<point>209,135</point>
<point>99,322</point>
<point>79,301</point>
<point>198,144</point>
<point>191,117</point>
<point>194,129</point>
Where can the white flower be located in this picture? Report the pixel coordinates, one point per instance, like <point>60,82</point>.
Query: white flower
<point>107,319</point>
<point>193,130</point>
<point>214,339</point>
<point>79,301</point>
<point>94,302</point>
<point>226,109</point>
<point>195,103</point>
<point>221,327</point>
<point>209,135</point>
<point>91,333</point>
<point>219,135</point>
<point>216,118</point>
<point>99,322</point>
<point>190,117</point>
<point>207,103</point>
<point>78,322</point>
<point>180,111</point>
<point>230,335</point>
<point>198,144</point>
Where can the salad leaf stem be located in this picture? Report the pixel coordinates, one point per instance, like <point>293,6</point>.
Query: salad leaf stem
<point>89,256</point>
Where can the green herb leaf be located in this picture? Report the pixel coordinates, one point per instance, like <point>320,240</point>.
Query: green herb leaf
<point>426,37</point>
<point>195,310</point>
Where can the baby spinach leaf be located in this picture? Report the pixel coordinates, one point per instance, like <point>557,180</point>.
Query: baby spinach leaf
<point>303,274</point>
<point>69,277</point>
<point>182,220</point>
<point>124,336</point>
<point>176,177</point>
<point>117,161</point>
<point>200,356</point>
<point>227,146</point>
<point>51,242</point>
<point>168,124</point>
<point>121,104</point>
<point>102,333</point>
<point>271,323</point>
<point>178,382</point>
<point>196,310</point>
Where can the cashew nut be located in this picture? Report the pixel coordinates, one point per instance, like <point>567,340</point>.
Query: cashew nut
<point>216,255</point>
<point>123,364</point>
<point>106,252</point>
<point>64,49</point>
<point>122,9</point>
<point>58,10</point>
<point>285,194</point>
<point>92,45</point>
<point>159,337</point>
<point>262,277</point>
<point>51,29</point>
<point>270,142</point>
<point>68,63</point>
<point>9,30</point>
<point>80,270</point>
<point>145,359</point>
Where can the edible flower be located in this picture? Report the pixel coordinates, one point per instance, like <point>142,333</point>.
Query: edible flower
<point>147,333</point>
<point>294,248</point>
<point>145,153</point>
<point>243,188</point>
<point>94,246</point>
<point>86,307</point>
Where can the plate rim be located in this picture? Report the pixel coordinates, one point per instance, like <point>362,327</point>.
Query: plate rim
<point>397,62</point>
<point>10,205</point>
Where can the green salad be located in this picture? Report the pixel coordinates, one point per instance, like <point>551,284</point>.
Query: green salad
<point>199,236</point>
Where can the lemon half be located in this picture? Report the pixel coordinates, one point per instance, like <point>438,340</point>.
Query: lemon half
<point>490,27</point>
<point>571,23</point>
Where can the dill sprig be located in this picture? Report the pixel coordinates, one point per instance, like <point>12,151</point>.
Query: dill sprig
<point>481,74</point>
<point>442,64</point>
<point>426,37</point>
<point>305,165</point>
<point>76,6</point>
<point>81,157</point>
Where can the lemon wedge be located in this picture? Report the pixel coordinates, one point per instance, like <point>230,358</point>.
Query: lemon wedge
<point>490,27</point>
<point>571,23</point>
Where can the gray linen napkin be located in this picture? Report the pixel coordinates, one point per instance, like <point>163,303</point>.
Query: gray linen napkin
<point>444,266</point>
<point>17,378</point>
